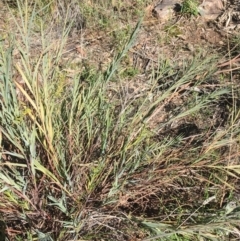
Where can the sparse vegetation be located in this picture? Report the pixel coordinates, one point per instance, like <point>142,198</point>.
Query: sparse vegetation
<point>91,152</point>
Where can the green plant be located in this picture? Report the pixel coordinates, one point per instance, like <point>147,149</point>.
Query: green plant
<point>190,7</point>
<point>83,160</point>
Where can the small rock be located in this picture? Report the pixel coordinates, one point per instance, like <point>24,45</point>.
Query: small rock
<point>190,47</point>
<point>211,9</point>
<point>165,10</point>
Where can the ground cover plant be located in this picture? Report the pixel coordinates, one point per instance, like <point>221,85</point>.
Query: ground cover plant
<point>115,146</point>
<point>190,7</point>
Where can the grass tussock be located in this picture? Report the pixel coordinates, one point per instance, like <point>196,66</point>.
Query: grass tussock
<point>83,160</point>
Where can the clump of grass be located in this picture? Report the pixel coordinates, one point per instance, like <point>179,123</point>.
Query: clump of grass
<point>190,7</point>
<point>77,162</point>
